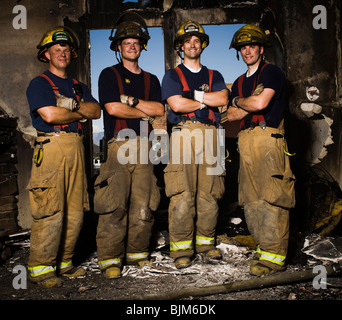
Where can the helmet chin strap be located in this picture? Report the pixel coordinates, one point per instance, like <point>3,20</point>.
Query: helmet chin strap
<point>180,54</point>
<point>116,56</point>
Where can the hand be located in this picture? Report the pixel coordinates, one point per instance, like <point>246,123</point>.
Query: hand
<point>258,89</point>
<point>124,99</point>
<point>64,102</point>
<point>149,119</point>
<point>199,96</point>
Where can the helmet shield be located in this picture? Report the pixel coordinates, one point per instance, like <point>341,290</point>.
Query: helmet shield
<point>187,29</point>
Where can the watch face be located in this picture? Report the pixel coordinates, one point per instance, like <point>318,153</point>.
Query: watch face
<point>135,101</point>
<point>76,106</point>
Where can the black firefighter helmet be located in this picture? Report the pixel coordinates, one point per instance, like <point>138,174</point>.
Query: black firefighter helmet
<point>129,25</point>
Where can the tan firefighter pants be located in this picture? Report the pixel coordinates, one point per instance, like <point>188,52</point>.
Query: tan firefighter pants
<point>125,194</point>
<point>193,188</point>
<point>58,197</point>
<point>266,191</point>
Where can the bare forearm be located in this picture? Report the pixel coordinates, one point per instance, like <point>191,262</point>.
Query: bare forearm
<point>55,115</point>
<point>215,99</point>
<point>234,114</point>
<point>89,110</point>
<point>121,110</point>
<point>151,108</point>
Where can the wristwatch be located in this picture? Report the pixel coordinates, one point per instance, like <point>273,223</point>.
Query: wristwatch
<point>135,101</point>
<point>76,106</point>
<point>235,102</point>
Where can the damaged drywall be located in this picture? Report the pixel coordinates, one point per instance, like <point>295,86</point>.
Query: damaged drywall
<point>321,133</point>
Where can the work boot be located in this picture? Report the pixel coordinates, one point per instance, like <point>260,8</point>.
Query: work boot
<point>144,263</point>
<point>213,254</point>
<point>48,280</point>
<point>112,273</point>
<point>252,262</point>
<point>73,272</point>
<point>259,269</point>
<point>182,262</point>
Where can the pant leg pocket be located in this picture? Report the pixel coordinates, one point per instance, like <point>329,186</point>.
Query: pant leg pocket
<point>281,192</point>
<point>106,194</point>
<point>155,195</point>
<point>44,197</point>
<point>218,187</point>
<point>174,179</point>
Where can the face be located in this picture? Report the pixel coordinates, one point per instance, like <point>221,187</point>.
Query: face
<point>59,56</point>
<point>192,47</point>
<point>251,54</point>
<point>130,49</point>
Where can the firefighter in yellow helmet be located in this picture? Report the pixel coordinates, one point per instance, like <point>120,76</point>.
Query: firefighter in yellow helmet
<point>58,186</point>
<point>193,181</point>
<point>266,182</point>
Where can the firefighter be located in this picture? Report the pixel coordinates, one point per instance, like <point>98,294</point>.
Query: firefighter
<point>266,182</point>
<point>58,186</point>
<point>194,94</point>
<point>126,192</point>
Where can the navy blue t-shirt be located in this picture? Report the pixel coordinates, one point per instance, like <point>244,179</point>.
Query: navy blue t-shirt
<point>40,94</point>
<point>171,85</point>
<point>133,85</point>
<point>271,77</point>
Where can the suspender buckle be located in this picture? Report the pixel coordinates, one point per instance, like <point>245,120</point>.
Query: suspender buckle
<point>262,125</point>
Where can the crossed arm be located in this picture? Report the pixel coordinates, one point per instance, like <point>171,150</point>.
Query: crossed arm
<point>184,105</point>
<point>250,104</point>
<point>143,109</point>
<point>53,115</point>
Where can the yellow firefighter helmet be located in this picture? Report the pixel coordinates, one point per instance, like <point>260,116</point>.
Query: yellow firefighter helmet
<point>61,35</point>
<point>190,28</point>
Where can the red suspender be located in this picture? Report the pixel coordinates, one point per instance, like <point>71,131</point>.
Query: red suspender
<point>121,123</point>
<point>185,85</point>
<point>55,89</point>
<point>256,118</point>
<point>211,116</point>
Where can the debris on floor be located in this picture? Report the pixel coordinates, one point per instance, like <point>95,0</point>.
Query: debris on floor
<point>323,248</point>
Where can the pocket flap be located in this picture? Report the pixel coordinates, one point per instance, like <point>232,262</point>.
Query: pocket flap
<point>48,180</point>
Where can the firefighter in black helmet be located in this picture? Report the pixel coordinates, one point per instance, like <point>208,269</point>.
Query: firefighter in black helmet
<point>126,193</point>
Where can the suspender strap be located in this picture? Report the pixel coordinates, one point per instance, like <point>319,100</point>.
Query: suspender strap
<point>257,118</point>
<point>185,85</point>
<point>65,127</point>
<point>121,123</point>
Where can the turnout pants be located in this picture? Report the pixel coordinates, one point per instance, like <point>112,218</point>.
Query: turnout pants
<point>58,197</point>
<point>266,191</point>
<point>194,181</point>
<point>125,194</point>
